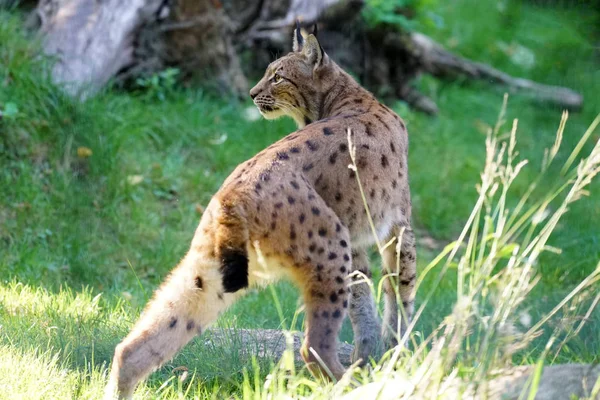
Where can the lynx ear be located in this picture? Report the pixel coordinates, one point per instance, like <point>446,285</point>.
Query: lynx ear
<point>298,41</point>
<point>313,51</point>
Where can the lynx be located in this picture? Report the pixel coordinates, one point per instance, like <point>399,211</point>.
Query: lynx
<point>295,211</point>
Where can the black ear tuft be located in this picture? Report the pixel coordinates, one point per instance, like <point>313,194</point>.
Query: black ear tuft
<point>315,30</point>
<point>298,38</point>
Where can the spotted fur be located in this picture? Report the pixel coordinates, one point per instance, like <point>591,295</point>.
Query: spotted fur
<point>295,211</point>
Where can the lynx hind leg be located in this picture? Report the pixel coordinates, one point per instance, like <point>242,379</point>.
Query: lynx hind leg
<point>324,263</point>
<point>326,301</point>
<point>363,312</point>
<point>400,272</point>
<point>188,301</point>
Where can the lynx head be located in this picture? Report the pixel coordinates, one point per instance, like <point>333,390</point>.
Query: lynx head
<point>294,84</point>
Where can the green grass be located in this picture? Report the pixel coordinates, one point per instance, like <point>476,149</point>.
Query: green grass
<point>84,241</point>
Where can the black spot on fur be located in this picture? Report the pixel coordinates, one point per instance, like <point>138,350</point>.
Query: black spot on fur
<point>301,218</point>
<point>332,256</point>
<point>408,281</point>
<point>310,234</point>
<point>315,211</point>
<point>257,186</point>
<point>343,147</point>
<point>343,243</point>
<point>295,149</point>
<point>345,304</point>
<point>220,296</point>
<point>338,227</point>
<point>336,314</point>
<point>312,146</point>
<point>333,157</point>
<point>392,147</point>
<point>190,325</point>
<point>346,257</point>
<point>319,267</point>
<point>307,167</point>
<point>339,279</point>
<point>365,146</point>
<point>282,155</point>
<point>291,200</point>
<point>338,196</point>
<point>278,205</point>
<point>384,161</point>
<point>325,314</point>
<point>358,101</point>
<point>234,269</point>
<point>295,185</point>
<point>312,247</point>
<point>394,184</point>
<point>199,282</point>
<point>327,131</point>
<point>172,323</point>
<point>333,297</point>
<point>322,232</point>
<point>342,269</point>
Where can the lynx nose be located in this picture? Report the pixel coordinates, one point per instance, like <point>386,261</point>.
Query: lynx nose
<point>253,92</point>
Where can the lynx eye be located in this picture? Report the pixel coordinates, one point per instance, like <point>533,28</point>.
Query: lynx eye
<point>276,78</point>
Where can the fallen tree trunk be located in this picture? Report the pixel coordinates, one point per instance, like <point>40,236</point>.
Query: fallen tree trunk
<point>91,41</point>
<point>556,382</point>
<point>96,41</point>
<point>438,62</point>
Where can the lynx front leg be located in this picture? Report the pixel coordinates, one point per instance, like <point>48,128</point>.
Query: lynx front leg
<point>189,301</point>
<point>399,284</point>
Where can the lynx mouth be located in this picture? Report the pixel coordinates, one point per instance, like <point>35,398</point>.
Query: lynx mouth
<point>265,108</point>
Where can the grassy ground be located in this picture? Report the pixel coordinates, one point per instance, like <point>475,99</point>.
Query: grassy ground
<point>84,238</point>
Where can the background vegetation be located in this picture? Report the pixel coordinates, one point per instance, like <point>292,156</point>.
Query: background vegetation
<point>98,200</point>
